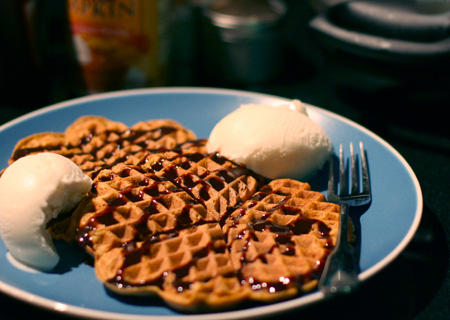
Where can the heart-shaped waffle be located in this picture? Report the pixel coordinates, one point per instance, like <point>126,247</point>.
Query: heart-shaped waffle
<point>198,230</point>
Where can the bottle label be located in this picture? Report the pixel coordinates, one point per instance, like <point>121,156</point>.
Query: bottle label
<point>117,42</point>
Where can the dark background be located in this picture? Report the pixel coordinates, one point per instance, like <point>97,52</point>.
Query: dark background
<point>410,113</point>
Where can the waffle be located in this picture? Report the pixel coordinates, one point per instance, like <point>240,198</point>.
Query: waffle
<point>279,239</point>
<point>94,142</point>
<point>203,237</point>
<point>164,218</point>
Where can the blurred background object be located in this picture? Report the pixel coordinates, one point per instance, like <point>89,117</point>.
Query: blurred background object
<point>432,6</point>
<point>387,55</point>
<point>322,5</point>
<point>377,44</point>
<point>242,41</point>
<point>16,57</point>
<point>61,49</point>
<point>37,62</point>
<point>57,50</point>
<point>121,44</point>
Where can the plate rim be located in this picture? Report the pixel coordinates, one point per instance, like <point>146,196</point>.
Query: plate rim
<point>312,298</point>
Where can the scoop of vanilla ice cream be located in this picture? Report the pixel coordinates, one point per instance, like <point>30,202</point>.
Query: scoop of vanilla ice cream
<point>34,190</point>
<point>274,141</point>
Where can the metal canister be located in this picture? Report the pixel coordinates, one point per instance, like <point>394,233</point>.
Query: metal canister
<point>242,40</point>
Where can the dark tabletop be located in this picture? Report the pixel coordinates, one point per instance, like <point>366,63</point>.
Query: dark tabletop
<point>411,116</point>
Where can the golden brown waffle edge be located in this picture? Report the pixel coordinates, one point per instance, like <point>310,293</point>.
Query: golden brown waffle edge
<point>95,142</point>
<point>201,232</point>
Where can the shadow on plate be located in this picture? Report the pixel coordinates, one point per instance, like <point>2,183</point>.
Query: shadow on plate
<point>71,256</point>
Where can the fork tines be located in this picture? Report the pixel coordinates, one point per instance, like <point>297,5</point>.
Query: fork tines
<point>353,174</point>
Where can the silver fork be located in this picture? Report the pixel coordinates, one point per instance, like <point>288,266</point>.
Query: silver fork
<point>340,274</point>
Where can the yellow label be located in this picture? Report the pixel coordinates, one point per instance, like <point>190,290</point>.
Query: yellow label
<point>106,11</point>
<point>117,40</point>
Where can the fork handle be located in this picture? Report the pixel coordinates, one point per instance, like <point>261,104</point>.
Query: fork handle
<point>340,273</point>
<point>342,239</point>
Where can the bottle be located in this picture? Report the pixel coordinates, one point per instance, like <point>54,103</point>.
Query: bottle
<point>121,44</point>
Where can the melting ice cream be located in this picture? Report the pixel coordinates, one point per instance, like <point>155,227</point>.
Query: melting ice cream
<point>34,190</point>
<point>274,141</point>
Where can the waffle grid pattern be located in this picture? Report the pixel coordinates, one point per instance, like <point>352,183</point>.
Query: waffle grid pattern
<point>202,232</point>
<point>94,142</point>
<point>152,233</point>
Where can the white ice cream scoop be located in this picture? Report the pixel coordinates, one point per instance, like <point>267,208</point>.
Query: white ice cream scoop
<point>274,141</point>
<point>34,190</point>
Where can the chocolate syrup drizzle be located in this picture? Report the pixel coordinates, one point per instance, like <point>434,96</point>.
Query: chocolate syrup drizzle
<point>283,238</point>
<point>183,182</point>
<point>126,137</point>
<point>132,254</point>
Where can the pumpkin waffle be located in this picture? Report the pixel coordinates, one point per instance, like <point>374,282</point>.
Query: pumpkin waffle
<point>165,218</point>
<point>94,142</point>
<point>194,230</point>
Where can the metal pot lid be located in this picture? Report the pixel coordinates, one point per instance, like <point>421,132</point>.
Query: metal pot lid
<point>241,14</point>
<point>390,30</point>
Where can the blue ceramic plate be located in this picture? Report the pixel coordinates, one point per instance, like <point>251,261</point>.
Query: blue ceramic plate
<point>73,288</point>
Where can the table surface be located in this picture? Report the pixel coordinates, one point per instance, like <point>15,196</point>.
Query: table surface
<point>416,285</point>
